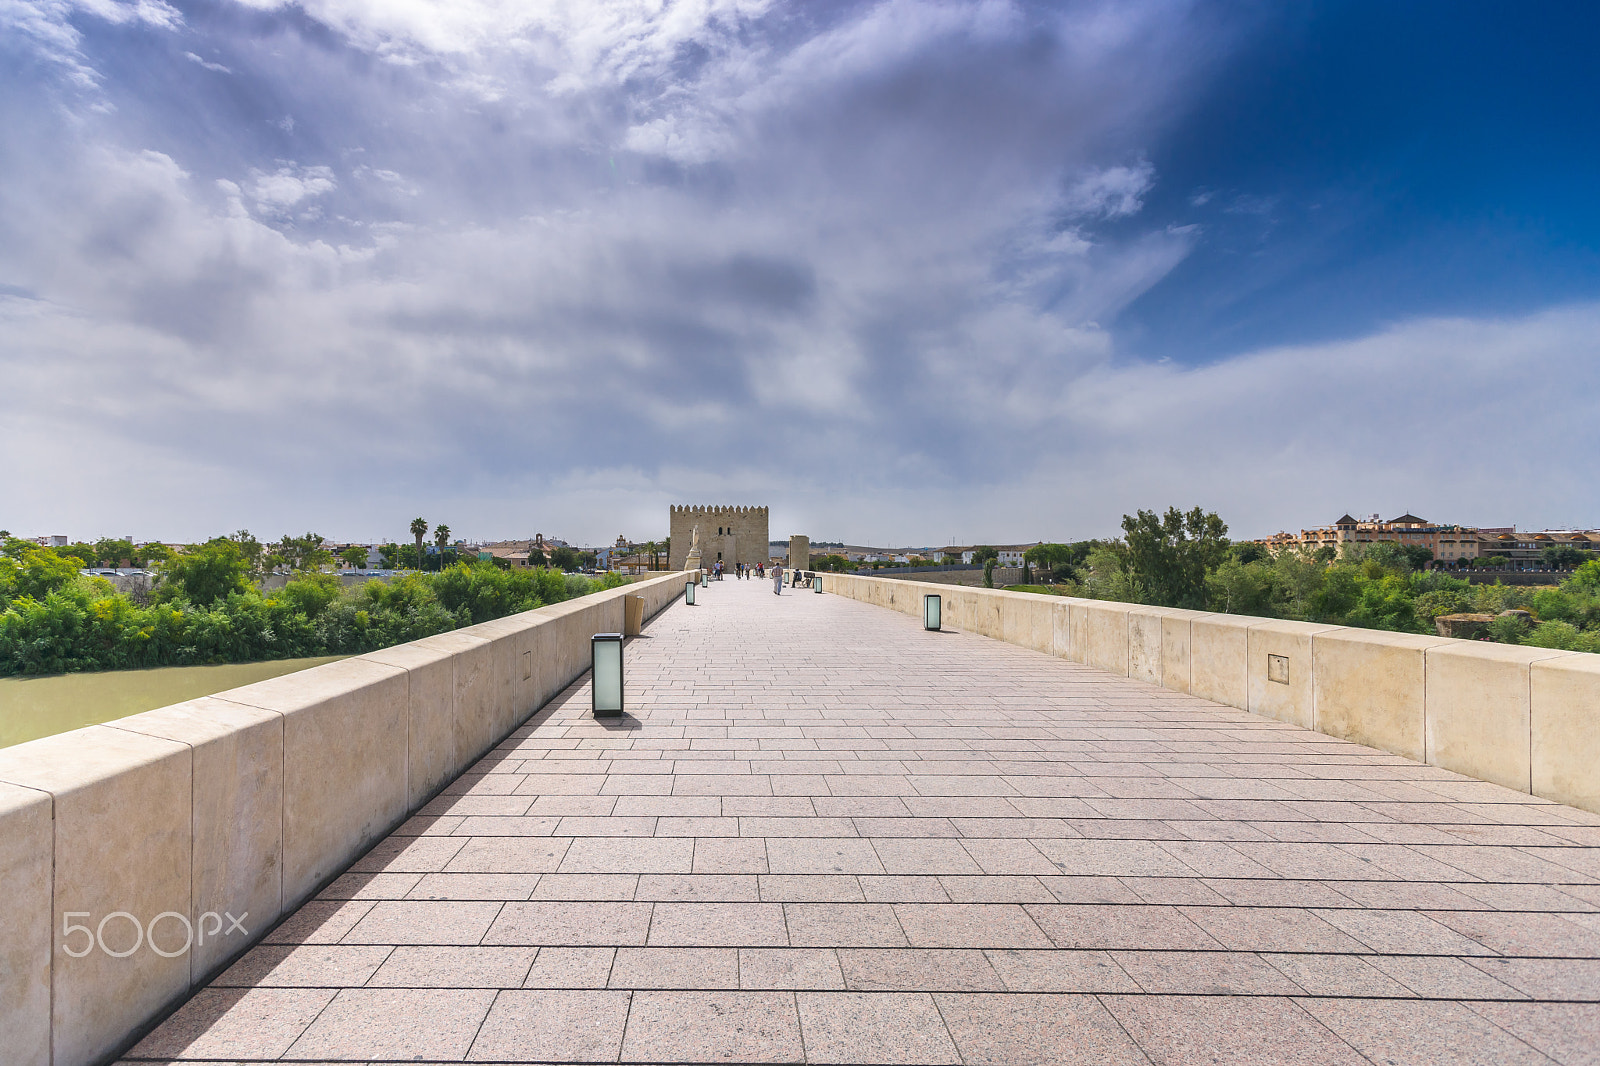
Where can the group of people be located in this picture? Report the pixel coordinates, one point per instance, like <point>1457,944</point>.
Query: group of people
<point>798,579</point>
<point>740,571</point>
<point>744,572</point>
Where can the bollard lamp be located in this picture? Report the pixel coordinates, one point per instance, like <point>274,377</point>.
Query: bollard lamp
<point>605,661</point>
<point>705,582</point>
<point>816,582</point>
<point>688,593</point>
<point>932,609</point>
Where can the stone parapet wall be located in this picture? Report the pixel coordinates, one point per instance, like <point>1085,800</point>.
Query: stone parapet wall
<point>1525,718</point>
<point>1003,575</point>
<point>246,802</point>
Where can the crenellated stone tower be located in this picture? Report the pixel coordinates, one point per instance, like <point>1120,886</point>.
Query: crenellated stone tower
<point>729,534</point>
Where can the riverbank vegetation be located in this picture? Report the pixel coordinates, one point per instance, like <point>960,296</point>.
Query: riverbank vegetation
<point>1186,560</point>
<point>208,607</point>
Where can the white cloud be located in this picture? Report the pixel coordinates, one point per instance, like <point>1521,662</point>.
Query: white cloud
<point>1111,192</point>
<point>561,265</point>
<point>289,185</point>
<point>207,64</point>
<point>583,41</point>
<point>45,27</point>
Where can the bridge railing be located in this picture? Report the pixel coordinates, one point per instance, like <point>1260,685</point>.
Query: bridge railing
<point>1525,718</point>
<point>141,856</point>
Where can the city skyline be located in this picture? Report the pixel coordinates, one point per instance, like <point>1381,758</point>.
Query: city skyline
<point>898,269</point>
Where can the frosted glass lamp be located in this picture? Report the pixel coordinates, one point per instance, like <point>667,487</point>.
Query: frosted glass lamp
<point>816,582</point>
<point>932,609</point>
<point>605,659</point>
<point>688,593</point>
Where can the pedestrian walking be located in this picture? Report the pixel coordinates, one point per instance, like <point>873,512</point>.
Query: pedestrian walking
<point>777,581</point>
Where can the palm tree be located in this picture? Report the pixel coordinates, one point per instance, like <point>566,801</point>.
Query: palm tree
<point>419,529</point>
<point>441,536</point>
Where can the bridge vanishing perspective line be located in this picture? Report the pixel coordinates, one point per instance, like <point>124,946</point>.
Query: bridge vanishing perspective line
<point>825,835</point>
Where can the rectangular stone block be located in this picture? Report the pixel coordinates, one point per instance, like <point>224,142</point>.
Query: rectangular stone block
<point>987,611</point>
<point>1286,693</point>
<point>27,849</point>
<point>454,711</point>
<point>237,851</point>
<point>121,845</point>
<point>1027,621</point>
<point>1176,669</point>
<point>524,670</point>
<point>1061,622</point>
<point>1144,644</point>
<point>1370,688</point>
<point>565,629</point>
<point>962,609</point>
<point>1219,658</point>
<point>1566,729</point>
<point>345,738</point>
<point>1103,629</point>
<point>1479,710</point>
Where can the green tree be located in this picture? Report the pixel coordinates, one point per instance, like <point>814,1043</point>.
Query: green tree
<point>250,548</point>
<point>1170,556</point>
<point>208,573</point>
<point>1585,579</point>
<point>441,537</point>
<point>1105,576</point>
<point>354,557</point>
<point>1249,552</point>
<point>1243,588</point>
<point>1564,636</point>
<point>84,553</point>
<point>1052,561</point>
<point>1299,575</point>
<point>1561,556</point>
<point>419,529</point>
<point>110,551</point>
<point>36,573</point>
<point>1417,556</point>
<point>300,553</point>
<point>564,559</point>
<point>1508,629</point>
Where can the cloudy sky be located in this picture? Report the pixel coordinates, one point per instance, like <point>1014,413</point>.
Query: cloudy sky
<point>904,271</point>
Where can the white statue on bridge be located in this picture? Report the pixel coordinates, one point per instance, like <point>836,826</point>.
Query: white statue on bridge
<point>693,561</point>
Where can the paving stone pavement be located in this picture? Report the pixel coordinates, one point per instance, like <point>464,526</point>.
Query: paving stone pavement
<point>825,835</point>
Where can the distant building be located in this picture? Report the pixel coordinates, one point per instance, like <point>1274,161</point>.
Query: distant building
<point>1450,544</point>
<point>1009,554</point>
<point>1527,548</point>
<point>728,535</point>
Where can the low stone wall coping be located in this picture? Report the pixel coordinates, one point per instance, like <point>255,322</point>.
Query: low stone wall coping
<point>1525,718</point>
<point>241,804</point>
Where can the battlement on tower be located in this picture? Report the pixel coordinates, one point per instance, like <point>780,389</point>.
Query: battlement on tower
<point>695,509</point>
<point>729,534</point>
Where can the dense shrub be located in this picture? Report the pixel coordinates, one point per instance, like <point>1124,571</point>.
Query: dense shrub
<point>1377,586</point>
<point>53,620</point>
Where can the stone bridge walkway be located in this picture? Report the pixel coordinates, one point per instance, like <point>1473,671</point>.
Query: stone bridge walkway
<point>827,836</point>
